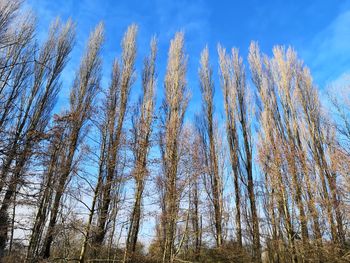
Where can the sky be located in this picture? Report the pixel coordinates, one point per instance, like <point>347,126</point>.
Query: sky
<point>318,30</point>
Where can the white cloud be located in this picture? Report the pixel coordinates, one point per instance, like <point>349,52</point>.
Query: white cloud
<point>342,81</point>
<point>328,54</point>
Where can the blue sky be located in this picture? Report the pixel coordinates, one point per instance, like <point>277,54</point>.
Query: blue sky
<point>318,30</point>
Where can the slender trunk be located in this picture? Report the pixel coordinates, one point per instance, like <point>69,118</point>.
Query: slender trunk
<point>45,252</point>
<point>134,222</point>
<point>103,216</point>
<point>314,213</point>
<point>196,223</point>
<point>217,208</point>
<point>243,110</point>
<point>311,197</point>
<point>275,238</point>
<point>114,215</point>
<point>92,209</point>
<point>4,217</point>
<point>336,205</point>
<point>42,213</point>
<point>62,181</point>
<point>289,226</point>
<point>171,216</point>
<point>326,199</point>
<point>300,205</point>
<point>12,222</point>
<point>9,195</point>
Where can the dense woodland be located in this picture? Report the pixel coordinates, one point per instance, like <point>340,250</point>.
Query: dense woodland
<point>269,182</point>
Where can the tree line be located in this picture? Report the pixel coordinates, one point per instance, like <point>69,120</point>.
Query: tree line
<point>269,183</point>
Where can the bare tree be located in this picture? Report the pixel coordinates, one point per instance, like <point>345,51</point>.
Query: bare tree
<point>8,15</point>
<point>312,113</point>
<point>209,143</point>
<point>239,133</point>
<point>141,144</point>
<point>232,135</point>
<point>32,121</point>
<point>16,61</point>
<point>292,205</point>
<point>196,216</point>
<point>272,149</point>
<point>55,147</point>
<point>122,80</point>
<point>85,87</point>
<point>175,104</point>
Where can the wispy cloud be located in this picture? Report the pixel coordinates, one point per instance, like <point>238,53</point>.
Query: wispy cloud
<point>328,54</point>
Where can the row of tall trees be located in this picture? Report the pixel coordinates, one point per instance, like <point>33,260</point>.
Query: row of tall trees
<point>268,183</point>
